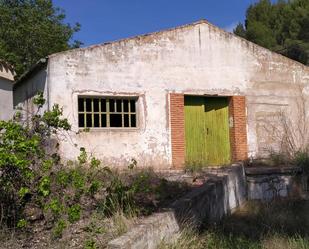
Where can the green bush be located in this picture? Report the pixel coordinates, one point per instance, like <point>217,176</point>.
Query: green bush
<point>302,159</point>
<point>24,162</point>
<point>32,174</point>
<point>90,244</point>
<point>59,228</point>
<point>74,213</point>
<point>119,198</point>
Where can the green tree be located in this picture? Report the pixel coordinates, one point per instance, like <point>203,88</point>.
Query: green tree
<point>33,29</point>
<point>282,27</point>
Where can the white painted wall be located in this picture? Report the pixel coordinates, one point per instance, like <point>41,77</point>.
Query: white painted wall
<point>6,93</point>
<point>6,99</point>
<point>193,59</point>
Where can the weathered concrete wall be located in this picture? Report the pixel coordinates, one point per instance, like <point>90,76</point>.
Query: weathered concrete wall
<point>6,91</point>
<point>23,93</point>
<point>6,99</point>
<point>194,59</point>
<point>267,184</point>
<point>148,234</point>
<point>224,191</point>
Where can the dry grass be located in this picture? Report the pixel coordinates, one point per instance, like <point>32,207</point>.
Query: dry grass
<point>93,232</point>
<point>278,225</point>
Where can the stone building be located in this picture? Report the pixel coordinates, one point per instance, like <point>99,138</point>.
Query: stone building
<point>194,94</point>
<point>6,90</point>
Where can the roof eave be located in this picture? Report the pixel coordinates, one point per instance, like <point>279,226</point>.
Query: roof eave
<point>36,67</point>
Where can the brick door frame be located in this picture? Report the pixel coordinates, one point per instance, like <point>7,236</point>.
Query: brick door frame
<point>238,128</point>
<point>177,124</point>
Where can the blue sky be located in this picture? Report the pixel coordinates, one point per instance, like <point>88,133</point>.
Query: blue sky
<point>108,20</point>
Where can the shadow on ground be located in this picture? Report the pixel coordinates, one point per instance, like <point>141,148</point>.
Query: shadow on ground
<point>256,220</point>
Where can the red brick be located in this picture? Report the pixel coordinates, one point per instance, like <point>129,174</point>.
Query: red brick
<point>238,133</point>
<point>177,129</point>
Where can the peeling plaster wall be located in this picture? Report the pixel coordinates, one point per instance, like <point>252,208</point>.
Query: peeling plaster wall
<point>193,59</point>
<point>23,93</point>
<point>6,99</point>
<point>6,91</point>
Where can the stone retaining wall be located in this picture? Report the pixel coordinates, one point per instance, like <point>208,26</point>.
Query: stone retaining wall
<point>264,183</point>
<point>223,191</point>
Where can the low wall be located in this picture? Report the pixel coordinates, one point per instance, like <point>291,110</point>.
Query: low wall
<point>264,183</point>
<point>223,191</point>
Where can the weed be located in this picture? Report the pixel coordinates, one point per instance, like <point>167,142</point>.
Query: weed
<point>302,159</point>
<point>119,197</point>
<point>194,166</point>
<point>59,228</point>
<point>22,223</point>
<point>277,225</point>
<point>90,244</point>
<point>74,213</point>
<point>120,224</point>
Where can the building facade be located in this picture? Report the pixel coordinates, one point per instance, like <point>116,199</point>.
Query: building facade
<point>194,94</point>
<point>6,90</point>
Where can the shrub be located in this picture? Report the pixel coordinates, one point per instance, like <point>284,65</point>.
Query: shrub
<point>302,159</point>
<point>59,228</point>
<point>31,172</point>
<point>24,160</point>
<point>90,244</point>
<point>119,198</point>
<point>74,213</point>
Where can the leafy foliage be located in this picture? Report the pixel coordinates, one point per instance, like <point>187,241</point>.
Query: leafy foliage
<point>282,27</point>
<point>302,159</point>
<point>34,179</point>
<point>23,159</point>
<point>32,29</point>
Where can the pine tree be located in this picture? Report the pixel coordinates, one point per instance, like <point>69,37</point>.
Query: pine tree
<point>282,27</point>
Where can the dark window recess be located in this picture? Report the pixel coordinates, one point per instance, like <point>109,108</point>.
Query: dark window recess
<point>80,105</point>
<point>103,105</point>
<point>132,105</point>
<point>89,121</point>
<point>111,105</point>
<point>115,120</point>
<point>96,120</point>
<point>118,101</point>
<point>96,105</point>
<point>133,120</point>
<point>106,112</point>
<point>125,105</point>
<point>81,120</point>
<point>103,120</point>
<point>126,120</point>
<point>88,105</point>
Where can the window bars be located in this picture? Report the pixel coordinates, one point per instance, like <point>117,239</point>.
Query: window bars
<point>105,112</point>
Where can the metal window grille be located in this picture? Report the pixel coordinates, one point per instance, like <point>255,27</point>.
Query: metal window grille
<point>104,112</point>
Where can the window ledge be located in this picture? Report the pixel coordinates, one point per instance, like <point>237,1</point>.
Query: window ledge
<point>114,129</point>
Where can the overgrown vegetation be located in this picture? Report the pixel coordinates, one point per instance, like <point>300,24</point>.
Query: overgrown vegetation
<point>37,186</point>
<point>276,225</point>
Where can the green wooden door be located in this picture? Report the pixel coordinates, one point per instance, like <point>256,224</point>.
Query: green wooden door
<point>207,131</point>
